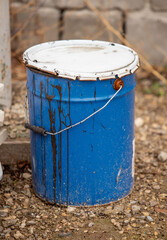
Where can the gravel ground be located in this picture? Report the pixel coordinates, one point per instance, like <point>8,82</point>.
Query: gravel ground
<point>141,215</point>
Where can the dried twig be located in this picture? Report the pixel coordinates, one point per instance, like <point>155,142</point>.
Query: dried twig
<point>14,12</point>
<point>124,41</point>
<point>27,22</point>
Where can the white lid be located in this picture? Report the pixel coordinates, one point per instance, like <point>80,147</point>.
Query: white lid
<point>82,59</point>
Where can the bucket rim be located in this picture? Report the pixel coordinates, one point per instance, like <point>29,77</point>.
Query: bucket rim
<point>82,59</point>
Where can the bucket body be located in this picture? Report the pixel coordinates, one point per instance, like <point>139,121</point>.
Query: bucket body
<point>92,163</point>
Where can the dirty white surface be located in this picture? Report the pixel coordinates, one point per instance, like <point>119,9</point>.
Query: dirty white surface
<point>5,53</point>
<point>82,59</point>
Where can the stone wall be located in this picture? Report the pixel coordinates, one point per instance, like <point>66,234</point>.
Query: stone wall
<point>142,22</point>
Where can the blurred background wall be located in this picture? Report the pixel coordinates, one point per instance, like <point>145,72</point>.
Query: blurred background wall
<point>142,22</point>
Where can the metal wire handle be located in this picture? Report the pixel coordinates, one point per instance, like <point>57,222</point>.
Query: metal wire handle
<point>45,133</point>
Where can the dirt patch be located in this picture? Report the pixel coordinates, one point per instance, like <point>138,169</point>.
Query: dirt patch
<point>141,215</point>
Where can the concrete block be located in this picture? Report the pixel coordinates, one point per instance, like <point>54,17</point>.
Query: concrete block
<point>42,26</point>
<point>159,5</point>
<point>3,135</point>
<point>85,25</point>
<point>146,30</point>
<point>103,4</point>
<point>49,24</point>
<point>13,152</point>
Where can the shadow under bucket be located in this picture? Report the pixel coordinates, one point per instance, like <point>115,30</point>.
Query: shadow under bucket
<point>81,112</point>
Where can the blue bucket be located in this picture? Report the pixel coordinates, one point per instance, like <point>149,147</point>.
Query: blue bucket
<point>93,162</point>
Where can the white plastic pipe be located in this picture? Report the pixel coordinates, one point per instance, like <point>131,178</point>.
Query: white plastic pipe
<point>5,53</point>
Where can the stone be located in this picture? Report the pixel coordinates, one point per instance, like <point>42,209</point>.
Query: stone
<point>153,203</point>
<point>3,213</point>
<point>26,203</point>
<point>18,235</point>
<point>12,135</point>
<point>135,209</point>
<point>162,156</point>
<point>64,214</point>
<point>153,25</point>
<point>9,223</point>
<point>86,25</point>
<point>31,223</point>
<point>91,224</point>
<point>147,191</point>
<point>26,175</point>
<point>7,189</point>
<point>160,5</point>
<point>27,192</point>
<point>62,235</point>
<point>9,201</point>
<point>133,202</point>
<point>126,221</point>
<point>156,187</point>
<point>23,224</point>
<point>71,209</point>
<point>1,229</point>
<point>92,215</point>
<point>108,210</point>
<point>145,214</point>
<point>117,224</point>
<point>139,122</point>
<point>8,230</point>
<point>150,219</point>
<point>118,209</point>
<point>7,195</point>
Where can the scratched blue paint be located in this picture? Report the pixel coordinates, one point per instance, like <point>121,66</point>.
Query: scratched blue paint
<point>90,163</point>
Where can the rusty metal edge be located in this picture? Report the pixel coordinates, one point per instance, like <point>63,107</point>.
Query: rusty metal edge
<point>14,152</point>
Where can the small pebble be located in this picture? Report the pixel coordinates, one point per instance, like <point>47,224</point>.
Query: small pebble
<point>26,175</point>
<point>156,187</point>
<point>153,203</point>
<point>90,224</point>
<point>31,223</point>
<point>3,213</point>
<point>26,203</point>
<point>71,209</point>
<point>135,209</point>
<point>139,122</point>
<point>18,235</point>
<point>162,156</point>
<point>65,234</point>
<point>150,219</point>
<point>145,214</point>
